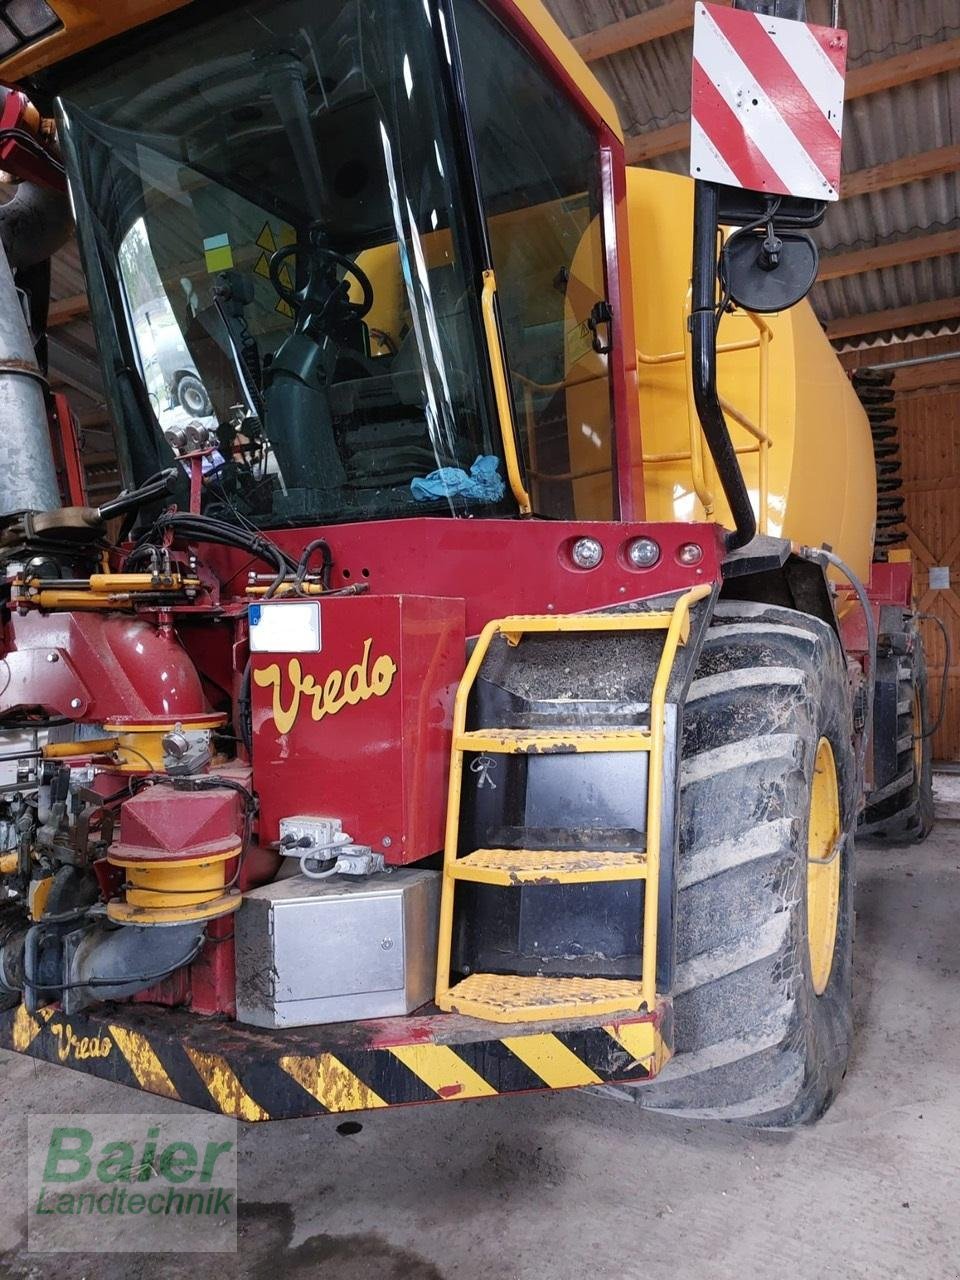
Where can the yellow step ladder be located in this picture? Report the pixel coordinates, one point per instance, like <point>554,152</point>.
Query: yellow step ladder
<point>515,997</point>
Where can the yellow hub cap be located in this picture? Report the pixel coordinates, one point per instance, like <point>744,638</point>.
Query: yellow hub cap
<point>823,866</point>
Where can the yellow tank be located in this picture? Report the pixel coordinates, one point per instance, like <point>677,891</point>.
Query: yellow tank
<point>814,482</point>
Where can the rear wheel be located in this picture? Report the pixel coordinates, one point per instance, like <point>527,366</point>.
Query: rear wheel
<point>762,997</point>
<point>905,811</point>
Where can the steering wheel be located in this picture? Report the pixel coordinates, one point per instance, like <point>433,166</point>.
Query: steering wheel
<point>322,257</point>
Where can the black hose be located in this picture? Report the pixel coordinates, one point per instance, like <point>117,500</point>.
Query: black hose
<point>823,557</point>
<point>118,981</point>
<point>157,486</point>
<point>326,564</point>
<point>947,660</point>
<point>137,554</point>
<point>206,529</point>
<point>245,710</point>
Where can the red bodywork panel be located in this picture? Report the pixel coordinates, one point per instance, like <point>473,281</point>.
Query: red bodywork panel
<point>26,163</point>
<point>372,745</point>
<point>498,567</point>
<point>98,667</point>
<point>160,825</point>
<point>890,584</point>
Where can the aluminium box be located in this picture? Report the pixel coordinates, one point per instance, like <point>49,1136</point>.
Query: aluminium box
<point>337,950</point>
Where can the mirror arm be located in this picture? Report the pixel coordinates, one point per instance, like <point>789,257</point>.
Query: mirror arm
<point>703,330</point>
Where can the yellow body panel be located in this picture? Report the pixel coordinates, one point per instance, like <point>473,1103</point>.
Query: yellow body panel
<point>85,23</point>
<point>573,65</point>
<point>821,485</point>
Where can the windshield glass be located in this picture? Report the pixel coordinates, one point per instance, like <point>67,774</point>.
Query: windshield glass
<point>268,202</point>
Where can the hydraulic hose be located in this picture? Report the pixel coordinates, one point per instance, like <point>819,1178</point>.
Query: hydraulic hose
<point>823,557</point>
<point>947,660</point>
<point>206,529</point>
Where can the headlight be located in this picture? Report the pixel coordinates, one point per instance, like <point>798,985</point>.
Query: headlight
<point>643,553</point>
<point>586,553</point>
<point>690,553</point>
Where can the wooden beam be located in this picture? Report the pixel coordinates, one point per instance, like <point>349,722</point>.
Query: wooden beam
<point>921,377</point>
<point>630,33</point>
<point>879,257</point>
<point>640,147</point>
<point>895,173</point>
<point>887,73</point>
<point>922,313</point>
<point>66,309</point>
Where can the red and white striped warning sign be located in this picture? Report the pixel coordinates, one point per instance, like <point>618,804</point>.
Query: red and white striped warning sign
<point>767,103</point>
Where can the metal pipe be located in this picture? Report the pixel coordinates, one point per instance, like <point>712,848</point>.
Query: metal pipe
<point>111,964</point>
<point>34,224</point>
<point>703,371</point>
<point>28,477</point>
<point>906,364</point>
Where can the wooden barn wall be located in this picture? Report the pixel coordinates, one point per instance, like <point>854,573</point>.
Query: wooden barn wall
<point>928,417</point>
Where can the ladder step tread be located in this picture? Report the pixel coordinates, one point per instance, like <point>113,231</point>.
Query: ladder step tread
<point>558,621</point>
<point>511,998</point>
<point>549,866</point>
<point>547,741</point>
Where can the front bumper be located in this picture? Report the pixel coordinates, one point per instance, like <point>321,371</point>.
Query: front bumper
<point>219,1065</point>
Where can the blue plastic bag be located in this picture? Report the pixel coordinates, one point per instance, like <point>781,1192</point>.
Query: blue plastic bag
<point>483,482</point>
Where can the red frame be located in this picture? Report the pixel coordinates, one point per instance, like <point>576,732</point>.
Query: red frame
<point>891,583</point>
<point>65,436</point>
<point>24,162</point>
<point>500,567</point>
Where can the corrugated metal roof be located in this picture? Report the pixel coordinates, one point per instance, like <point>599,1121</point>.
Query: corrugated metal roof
<point>650,85</point>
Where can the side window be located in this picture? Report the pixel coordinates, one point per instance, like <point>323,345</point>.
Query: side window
<point>539,174</point>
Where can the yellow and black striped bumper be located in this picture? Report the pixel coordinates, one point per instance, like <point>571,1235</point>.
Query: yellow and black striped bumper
<point>218,1065</point>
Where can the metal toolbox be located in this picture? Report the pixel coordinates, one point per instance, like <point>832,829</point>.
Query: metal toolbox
<point>316,951</point>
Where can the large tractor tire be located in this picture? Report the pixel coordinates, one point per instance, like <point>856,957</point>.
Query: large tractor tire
<point>762,997</point>
<point>906,811</point>
<point>192,396</point>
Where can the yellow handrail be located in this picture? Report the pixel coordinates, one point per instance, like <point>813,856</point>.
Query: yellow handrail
<point>533,473</point>
<point>501,391</point>
<point>759,430</point>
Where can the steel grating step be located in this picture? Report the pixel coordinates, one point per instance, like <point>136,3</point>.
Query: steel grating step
<point>640,619</point>
<point>549,741</point>
<point>548,866</point>
<point>509,998</point>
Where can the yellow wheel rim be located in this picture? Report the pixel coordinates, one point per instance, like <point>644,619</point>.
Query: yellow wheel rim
<point>823,866</point>
<point>917,735</point>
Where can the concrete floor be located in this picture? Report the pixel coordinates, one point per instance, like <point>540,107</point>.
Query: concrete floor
<point>572,1185</point>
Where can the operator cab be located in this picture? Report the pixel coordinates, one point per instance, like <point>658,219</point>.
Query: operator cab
<point>292,207</point>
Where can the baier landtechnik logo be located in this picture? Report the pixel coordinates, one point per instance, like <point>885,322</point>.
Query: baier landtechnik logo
<point>132,1183</point>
